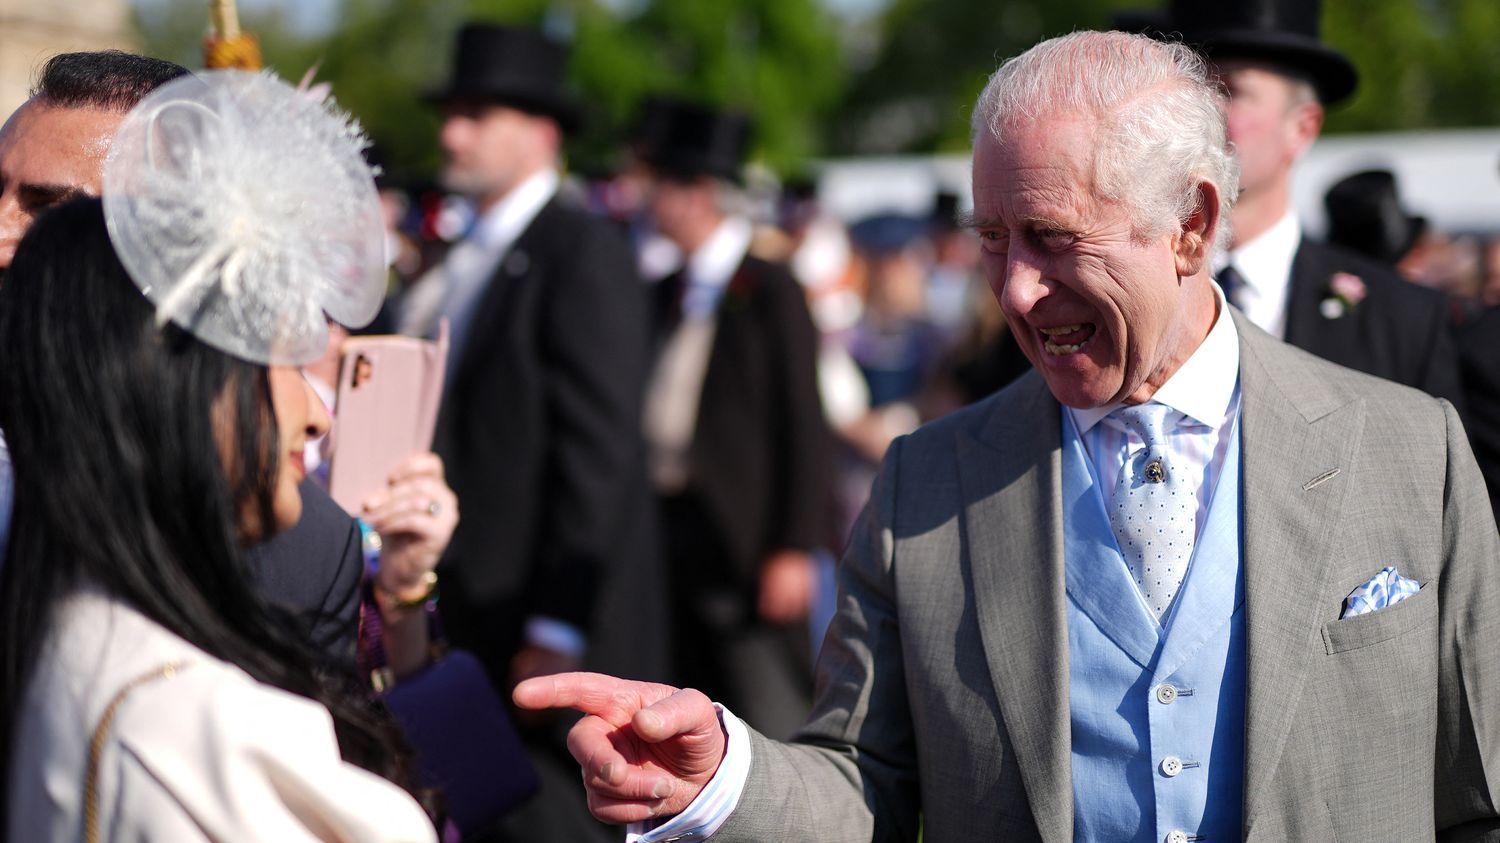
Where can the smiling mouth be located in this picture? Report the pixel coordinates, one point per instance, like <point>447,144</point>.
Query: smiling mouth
<point>1066,339</point>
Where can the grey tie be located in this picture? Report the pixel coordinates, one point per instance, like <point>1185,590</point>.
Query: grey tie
<point>1153,509</point>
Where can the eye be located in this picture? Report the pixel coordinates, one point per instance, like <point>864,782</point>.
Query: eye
<point>1052,239</point>
<point>994,239</point>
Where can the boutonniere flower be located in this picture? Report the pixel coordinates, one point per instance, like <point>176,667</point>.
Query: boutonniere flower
<point>1345,292</point>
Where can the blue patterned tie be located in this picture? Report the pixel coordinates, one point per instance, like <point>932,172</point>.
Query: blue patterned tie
<point>1232,283</point>
<point>1153,509</point>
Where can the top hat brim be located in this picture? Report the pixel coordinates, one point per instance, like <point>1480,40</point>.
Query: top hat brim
<point>564,110</point>
<point>1331,74</point>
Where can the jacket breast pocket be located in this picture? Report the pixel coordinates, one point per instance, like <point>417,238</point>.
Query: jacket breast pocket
<point>1365,630</point>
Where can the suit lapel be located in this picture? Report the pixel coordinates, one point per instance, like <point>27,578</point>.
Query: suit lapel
<point>516,264</point>
<point>1306,326</point>
<point>1292,433</point>
<point>1010,479</point>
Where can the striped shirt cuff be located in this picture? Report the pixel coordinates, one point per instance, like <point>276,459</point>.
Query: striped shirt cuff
<point>705,814</point>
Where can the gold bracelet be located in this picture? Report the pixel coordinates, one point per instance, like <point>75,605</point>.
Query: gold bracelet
<point>391,600</point>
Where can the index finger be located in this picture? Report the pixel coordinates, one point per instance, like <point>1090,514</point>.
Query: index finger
<point>607,697</point>
<point>420,464</point>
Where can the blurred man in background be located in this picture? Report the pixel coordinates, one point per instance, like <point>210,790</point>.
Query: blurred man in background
<point>554,565</point>
<point>739,448</point>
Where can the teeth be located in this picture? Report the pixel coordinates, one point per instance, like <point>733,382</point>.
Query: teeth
<point>1059,348</point>
<point>1061,329</point>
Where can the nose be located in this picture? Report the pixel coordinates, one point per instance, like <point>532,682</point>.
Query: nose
<point>455,129</point>
<point>318,421</point>
<point>1022,285</point>
<point>12,226</point>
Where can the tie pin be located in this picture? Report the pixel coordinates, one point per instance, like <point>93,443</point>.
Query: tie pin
<point>1156,472</point>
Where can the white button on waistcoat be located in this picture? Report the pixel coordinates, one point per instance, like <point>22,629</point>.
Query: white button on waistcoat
<point>1171,766</point>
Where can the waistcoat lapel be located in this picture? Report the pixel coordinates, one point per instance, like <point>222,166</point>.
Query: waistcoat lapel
<point>1099,580</point>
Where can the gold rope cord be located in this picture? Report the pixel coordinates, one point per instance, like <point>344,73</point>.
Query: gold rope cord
<point>96,746</point>
<point>229,46</point>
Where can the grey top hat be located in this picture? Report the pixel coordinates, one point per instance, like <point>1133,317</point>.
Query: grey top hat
<point>511,66</point>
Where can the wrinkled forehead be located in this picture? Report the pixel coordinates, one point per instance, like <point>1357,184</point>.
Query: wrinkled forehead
<point>42,144</point>
<point>1050,160</point>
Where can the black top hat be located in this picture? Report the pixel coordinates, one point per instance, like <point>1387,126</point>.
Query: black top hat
<point>512,66</point>
<point>1365,214</point>
<point>686,140</point>
<point>1281,32</point>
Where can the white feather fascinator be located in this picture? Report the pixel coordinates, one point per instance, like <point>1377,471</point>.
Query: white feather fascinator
<point>243,209</point>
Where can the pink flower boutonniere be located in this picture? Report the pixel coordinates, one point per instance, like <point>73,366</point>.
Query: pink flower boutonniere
<point>1345,292</point>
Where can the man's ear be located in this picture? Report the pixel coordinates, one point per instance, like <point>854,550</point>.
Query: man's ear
<point>1196,235</point>
<point>1303,124</point>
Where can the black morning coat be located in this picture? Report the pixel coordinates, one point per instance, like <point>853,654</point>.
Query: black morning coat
<point>539,432</point>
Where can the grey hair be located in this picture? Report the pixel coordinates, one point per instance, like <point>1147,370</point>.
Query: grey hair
<point>1161,119</point>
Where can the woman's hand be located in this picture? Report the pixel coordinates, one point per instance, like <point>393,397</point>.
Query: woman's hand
<point>415,516</point>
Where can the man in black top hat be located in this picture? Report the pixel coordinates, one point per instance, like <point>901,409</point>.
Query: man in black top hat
<point>1339,305</point>
<point>738,447</point>
<point>554,565</point>
<point>1365,215</point>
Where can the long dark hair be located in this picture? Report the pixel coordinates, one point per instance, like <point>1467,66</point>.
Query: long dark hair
<point>120,485</point>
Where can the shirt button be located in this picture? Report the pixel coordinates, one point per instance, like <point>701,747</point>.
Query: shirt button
<point>1178,836</point>
<point>1166,694</point>
<point>1171,766</point>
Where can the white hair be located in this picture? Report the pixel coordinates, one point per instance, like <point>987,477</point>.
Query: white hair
<point>1160,129</point>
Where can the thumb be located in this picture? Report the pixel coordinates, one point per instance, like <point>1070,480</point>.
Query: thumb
<point>685,713</point>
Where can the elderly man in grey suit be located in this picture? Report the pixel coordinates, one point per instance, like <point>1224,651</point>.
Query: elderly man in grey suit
<point>1183,582</point>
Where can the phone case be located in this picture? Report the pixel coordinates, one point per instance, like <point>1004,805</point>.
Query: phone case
<point>388,395</point>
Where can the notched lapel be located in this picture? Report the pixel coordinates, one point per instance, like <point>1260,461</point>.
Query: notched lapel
<point>1011,483</point>
<point>1295,436</point>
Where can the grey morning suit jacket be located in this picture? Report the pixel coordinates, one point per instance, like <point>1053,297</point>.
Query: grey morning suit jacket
<point>943,689</point>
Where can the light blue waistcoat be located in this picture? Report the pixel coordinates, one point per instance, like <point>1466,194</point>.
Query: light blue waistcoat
<point>1144,699</point>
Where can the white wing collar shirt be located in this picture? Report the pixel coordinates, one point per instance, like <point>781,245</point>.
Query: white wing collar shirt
<point>1265,264</point>
<point>1204,398</point>
<point>468,268</point>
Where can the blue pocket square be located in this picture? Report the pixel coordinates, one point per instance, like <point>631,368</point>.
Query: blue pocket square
<point>1386,588</point>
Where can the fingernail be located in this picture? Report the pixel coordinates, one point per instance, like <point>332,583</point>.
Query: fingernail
<point>661,790</point>
<point>651,720</point>
<point>607,772</point>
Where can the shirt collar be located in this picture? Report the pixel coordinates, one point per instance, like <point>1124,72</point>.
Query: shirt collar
<point>504,222</point>
<point>1202,387</point>
<point>1266,262</point>
<point>715,262</point>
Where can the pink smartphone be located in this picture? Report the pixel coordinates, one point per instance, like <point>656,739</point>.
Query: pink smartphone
<point>388,396</point>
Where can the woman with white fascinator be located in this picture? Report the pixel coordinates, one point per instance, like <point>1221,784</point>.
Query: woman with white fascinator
<point>157,420</point>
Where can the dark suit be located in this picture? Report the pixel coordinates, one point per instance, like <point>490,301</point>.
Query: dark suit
<point>539,434</point>
<point>758,483</point>
<point>314,569</point>
<point>1479,354</point>
<point>1401,331</point>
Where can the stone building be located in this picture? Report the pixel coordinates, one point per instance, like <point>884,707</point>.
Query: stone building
<point>31,31</point>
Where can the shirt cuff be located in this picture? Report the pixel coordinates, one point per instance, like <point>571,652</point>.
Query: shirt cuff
<point>718,799</point>
<point>553,634</point>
